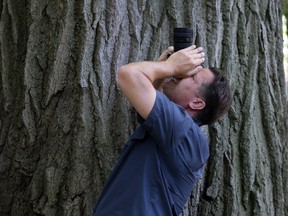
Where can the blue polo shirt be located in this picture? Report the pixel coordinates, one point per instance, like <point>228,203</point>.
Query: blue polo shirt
<point>158,166</point>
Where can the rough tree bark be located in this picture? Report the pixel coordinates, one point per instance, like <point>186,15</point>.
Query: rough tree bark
<point>64,121</point>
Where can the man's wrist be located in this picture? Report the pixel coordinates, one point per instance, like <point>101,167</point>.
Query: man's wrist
<point>168,70</point>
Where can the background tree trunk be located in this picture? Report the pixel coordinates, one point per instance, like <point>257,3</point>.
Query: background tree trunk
<point>64,121</point>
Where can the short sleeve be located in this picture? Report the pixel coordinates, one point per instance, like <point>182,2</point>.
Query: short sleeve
<point>167,123</point>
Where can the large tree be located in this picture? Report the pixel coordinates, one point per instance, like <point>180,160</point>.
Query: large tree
<point>63,120</point>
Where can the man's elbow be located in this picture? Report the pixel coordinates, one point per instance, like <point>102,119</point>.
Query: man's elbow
<point>122,75</point>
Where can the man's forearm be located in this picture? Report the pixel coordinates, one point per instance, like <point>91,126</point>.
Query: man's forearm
<point>136,82</point>
<point>154,71</point>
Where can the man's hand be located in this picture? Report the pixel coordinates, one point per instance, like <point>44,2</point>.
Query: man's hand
<point>186,62</point>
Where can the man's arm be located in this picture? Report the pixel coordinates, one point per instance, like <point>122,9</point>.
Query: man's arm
<point>163,57</point>
<point>136,79</point>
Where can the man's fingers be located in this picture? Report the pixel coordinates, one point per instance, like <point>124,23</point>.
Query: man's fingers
<point>166,53</point>
<point>195,70</point>
<point>196,52</point>
<point>198,61</point>
<point>199,55</point>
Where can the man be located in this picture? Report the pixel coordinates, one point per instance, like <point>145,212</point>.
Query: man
<point>165,155</point>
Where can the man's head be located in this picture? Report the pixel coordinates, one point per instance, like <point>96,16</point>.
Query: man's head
<point>205,96</point>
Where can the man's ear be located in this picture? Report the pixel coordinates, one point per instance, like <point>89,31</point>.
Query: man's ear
<point>197,104</point>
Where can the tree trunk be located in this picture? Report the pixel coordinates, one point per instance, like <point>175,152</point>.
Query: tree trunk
<point>64,121</point>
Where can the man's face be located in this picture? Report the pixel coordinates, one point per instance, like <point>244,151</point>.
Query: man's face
<point>185,90</point>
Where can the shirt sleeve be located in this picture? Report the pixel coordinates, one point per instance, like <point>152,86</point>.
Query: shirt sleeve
<point>167,123</point>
